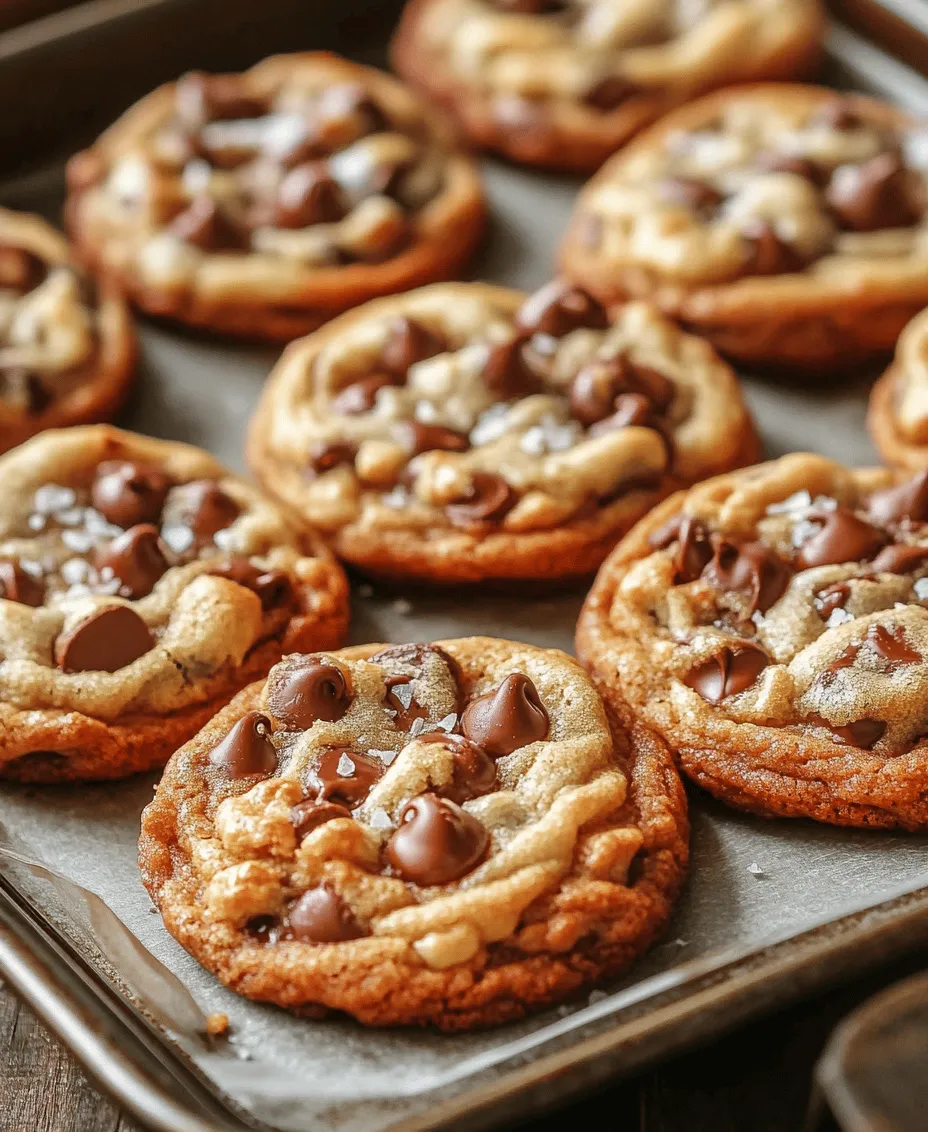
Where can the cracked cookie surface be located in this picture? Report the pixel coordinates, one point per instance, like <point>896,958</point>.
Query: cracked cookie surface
<point>898,412</point>
<point>445,834</point>
<point>772,625</point>
<point>564,83</point>
<point>466,432</point>
<point>785,223</point>
<point>141,586</point>
<point>67,345</point>
<point>264,203</point>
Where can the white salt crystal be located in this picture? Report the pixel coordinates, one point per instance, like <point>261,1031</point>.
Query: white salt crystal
<point>78,541</point>
<point>755,870</point>
<point>179,539</point>
<point>52,497</point>
<point>403,692</point>
<point>797,502</point>
<point>447,724</point>
<point>380,819</point>
<point>345,767</point>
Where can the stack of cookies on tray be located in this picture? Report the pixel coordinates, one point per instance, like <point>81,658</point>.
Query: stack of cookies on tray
<point>453,832</point>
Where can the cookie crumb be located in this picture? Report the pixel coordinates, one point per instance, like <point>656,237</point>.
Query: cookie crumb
<point>217,1025</point>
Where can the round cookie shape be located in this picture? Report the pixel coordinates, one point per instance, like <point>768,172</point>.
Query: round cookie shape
<point>67,345</point>
<point>261,204</point>
<point>448,886</point>
<point>564,83</point>
<point>898,412</point>
<point>142,585</point>
<point>785,223</point>
<point>468,433</point>
<point>772,626</point>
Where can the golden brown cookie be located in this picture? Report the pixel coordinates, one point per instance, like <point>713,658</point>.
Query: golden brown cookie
<point>67,346</point>
<point>264,203</point>
<point>783,223</point>
<point>141,586</point>
<point>465,432</point>
<point>564,83</point>
<point>898,411</point>
<point>448,834</point>
<point>772,625</point>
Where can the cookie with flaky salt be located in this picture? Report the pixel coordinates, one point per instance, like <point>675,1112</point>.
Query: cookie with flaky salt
<point>141,586</point>
<point>447,834</point>
<point>772,625</point>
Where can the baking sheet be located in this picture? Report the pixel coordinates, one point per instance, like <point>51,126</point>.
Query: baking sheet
<point>752,883</point>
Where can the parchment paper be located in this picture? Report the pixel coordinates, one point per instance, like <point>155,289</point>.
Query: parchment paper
<point>752,882</point>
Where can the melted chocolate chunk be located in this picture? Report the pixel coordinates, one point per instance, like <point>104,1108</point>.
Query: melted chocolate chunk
<point>880,193</point>
<point>17,585</point>
<point>274,588</point>
<point>407,708</point>
<point>631,409</point>
<point>694,547</point>
<point>430,438</point>
<point>560,307</point>
<point>344,776</point>
<point>437,842</point>
<point>20,269</point>
<point>247,748</point>
<point>751,569</point>
<point>907,501</point>
<point>135,558</point>
<point>204,225</point>
<point>311,813</point>
<point>609,93</point>
<point>489,498</point>
<point>203,508</point>
<point>863,733</point>
<point>889,645</point>
<point>308,195</point>
<point>201,98</point>
<point>690,193</point>
<point>728,673</point>
<point>359,397</point>
<point>770,161</point>
<point>842,537</point>
<point>321,916</point>
<point>831,598</point>
<point>593,391</point>
<point>408,342</point>
<point>126,493</point>
<point>506,372</point>
<point>768,254</point>
<point>474,770</point>
<point>308,689</point>
<point>838,114</point>
<point>899,559</point>
<point>106,641</point>
<point>328,454</point>
<point>506,719</point>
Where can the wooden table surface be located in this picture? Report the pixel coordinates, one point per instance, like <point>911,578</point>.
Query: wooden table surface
<point>754,1080</point>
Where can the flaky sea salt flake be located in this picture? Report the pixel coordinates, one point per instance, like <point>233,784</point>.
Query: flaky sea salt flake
<point>418,726</point>
<point>447,724</point>
<point>380,819</point>
<point>799,501</point>
<point>52,497</point>
<point>403,692</point>
<point>345,767</point>
<point>755,870</point>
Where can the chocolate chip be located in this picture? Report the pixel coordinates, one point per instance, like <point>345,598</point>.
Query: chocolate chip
<point>609,93</point>
<point>694,547</point>
<point>698,196</point>
<point>304,690</point>
<point>488,499</point>
<point>506,372</point>
<point>842,537</point>
<point>474,771</point>
<point>311,813</point>
<point>408,342</point>
<point>23,390</point>
<point>880,193</point>
<point>831,598</point>
<point>899,559</point>
<point>247,748</point>
<point>770,161</point>
<point>630,409</point>
<point>767,253</point>
<point>431,662</point>
<point>905,501</point>
<point>308,195</point>
<point>560,307</point>
<point>20,269</point>
<point>360,396</point>
<point>888,645</point>
<point>106,641</point>
<point>17,585</point>
<point>274,588</point>
<point>328,454</point>
<point>201,98</point>
<point>343,775</point>
<point>728,673</point>
<point>437,842</point>
<point>421,437</point>
<point>863,733</point>
<point>510,717</point>
<point>751,569</point>
<point>203,508</point>
<point>135,558</point>
<point>407,708</point>
<point>204,225</point>
<point>321,916</point>
<point>126,492</point>
<point>839,114</point>
<point>593,391</point>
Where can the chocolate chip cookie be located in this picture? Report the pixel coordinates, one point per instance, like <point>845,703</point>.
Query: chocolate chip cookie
<point>564,83</point>
<point>67,347</point>
<point>784,223</point>
<point>446,833</point>
<point>261,204</point>
<point>898,411</point>
<point>465,432</point>
<point>141,586</point>
<point>772,625</point>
